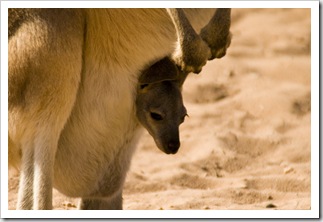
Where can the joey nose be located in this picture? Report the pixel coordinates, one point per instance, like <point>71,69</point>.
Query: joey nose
<point>173,146</point>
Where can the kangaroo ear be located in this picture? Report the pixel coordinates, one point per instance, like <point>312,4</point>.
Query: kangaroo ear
<point>160,71</point>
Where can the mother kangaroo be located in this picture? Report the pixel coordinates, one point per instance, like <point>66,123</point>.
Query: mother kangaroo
<point>73,76</point>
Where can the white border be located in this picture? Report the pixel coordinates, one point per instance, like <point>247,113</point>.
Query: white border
<point>315,110</point>
<point>4,111</point>
<point>159,4</point>
<point>313,213</point>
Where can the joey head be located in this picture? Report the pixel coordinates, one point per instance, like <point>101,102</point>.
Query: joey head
<point>159,104</point>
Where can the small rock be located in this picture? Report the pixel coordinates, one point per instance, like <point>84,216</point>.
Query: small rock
<point>68,204</point>
<point>288,170</point>
<point>271,206</point>
<point>270,198</point>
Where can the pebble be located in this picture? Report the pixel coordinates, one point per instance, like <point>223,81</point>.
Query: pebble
<point>288,170</point>
<point>271,206</point>
<point>68,204</point>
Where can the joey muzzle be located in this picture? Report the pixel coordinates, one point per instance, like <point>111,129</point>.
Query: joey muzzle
<point>169,145</point>
<point>172,147</point>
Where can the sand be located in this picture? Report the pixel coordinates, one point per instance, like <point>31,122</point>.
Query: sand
<point>246,144</point>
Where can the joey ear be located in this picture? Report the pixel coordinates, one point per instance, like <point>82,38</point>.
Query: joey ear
<point>160,71</point>
<point>181,77</point>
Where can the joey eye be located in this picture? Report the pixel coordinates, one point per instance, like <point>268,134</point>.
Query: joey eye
<point>142,86</point>
<point>156,116</point>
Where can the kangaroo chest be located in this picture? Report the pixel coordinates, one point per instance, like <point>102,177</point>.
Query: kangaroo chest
<point>97,143</point>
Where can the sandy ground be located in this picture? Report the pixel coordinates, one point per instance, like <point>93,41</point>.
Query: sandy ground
<point>246,143</point>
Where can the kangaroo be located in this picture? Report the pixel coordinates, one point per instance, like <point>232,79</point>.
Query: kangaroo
<point>72,93</point>
<point>159,104</point>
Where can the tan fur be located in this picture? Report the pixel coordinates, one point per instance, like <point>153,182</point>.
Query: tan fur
<point>72,87</point>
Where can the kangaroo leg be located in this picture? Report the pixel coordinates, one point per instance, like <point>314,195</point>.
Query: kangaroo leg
<point>114,203</point>
<point>25,192</point>
<point>35,185</point>
<point>45,61</point>
<point>217,32</point>
<point>44,156</point>
<point>192,52</point>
